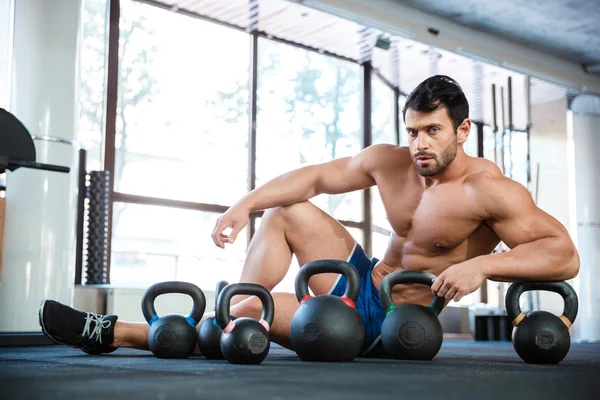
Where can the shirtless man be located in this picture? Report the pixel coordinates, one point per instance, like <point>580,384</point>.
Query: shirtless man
<point>448,212</point>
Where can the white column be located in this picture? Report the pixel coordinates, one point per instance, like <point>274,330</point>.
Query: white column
<point>39,246</point>
<point>6,30</point>
<point>585,117</point>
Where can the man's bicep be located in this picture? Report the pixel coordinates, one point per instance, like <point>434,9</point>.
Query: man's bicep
<point>346,175</point>
<point>513,215</point>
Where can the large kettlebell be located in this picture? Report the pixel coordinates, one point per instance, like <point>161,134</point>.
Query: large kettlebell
<point>245,340</point>
<point>327,328</point>
<point>173,335</point>
<point>541,337</point>
<point>410,331</point>
<point>209,334</point>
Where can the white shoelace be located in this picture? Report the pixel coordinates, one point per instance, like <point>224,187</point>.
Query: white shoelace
<point>100,324</point>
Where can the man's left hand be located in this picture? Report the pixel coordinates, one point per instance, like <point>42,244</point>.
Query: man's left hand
<point>458,280</point>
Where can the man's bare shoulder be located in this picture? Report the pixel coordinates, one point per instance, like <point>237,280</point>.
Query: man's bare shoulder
<point>482,172</point>
<point>493,191</point>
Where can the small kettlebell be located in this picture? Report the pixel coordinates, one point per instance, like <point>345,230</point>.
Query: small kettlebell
<point>245,340</point>
<point>541,337</point>
<point>327,327</point>
<point>209,334</point>
<point>173,335</point>
<point>410,331</point>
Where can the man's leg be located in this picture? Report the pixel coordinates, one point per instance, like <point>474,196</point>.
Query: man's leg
<point>301,229</point>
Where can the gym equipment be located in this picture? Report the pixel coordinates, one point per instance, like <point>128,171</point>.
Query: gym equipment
<point>209,334</point>
<point>173,335</point>
<point>97,193</point>
<point>327,328</point>
<point>410,331</point>
<point>245,340</point>
<point>540,337</point>
<point>40,221</point>
<point>16,146</point>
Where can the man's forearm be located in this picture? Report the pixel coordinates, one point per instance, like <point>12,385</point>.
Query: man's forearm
<point>289,188</point>
<point>548,259</point>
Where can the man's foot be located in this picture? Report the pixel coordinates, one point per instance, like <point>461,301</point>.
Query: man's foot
<point>87,331</point>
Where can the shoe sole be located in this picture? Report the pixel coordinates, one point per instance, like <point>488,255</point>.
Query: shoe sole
<point>41,320</point>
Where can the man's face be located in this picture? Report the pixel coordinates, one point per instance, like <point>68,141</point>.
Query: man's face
<point>432,140</point>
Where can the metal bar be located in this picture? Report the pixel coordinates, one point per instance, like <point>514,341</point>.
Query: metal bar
<point>79,236</point>
<point>397,115</point>
<point>480,140</point>
<point>495,123</point>
<point>253,101</point>
<point>528,128</point>
<point>385,81</point>
<point>305,47</point>
<point>510,104</point>
<point>157,201</point>
<point>367,137</point>
<point>503,133</point>
<point>112,87</point>
<point>192,14</point>
<point>494,108</point>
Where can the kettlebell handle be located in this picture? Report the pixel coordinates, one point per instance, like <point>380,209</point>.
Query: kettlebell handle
<point>220,286</point>
<point>514,292</point>
<point>188,288</point>
<point>398,277</point>
<point>252,289</point>
<point>323,267</point>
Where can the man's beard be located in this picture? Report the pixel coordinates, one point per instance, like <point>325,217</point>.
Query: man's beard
<point>439,163</point>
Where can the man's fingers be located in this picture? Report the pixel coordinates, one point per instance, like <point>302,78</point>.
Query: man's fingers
<point>444,289</point>
<point>437,283</point>
<point>217,234</point>
<point>451,293</point>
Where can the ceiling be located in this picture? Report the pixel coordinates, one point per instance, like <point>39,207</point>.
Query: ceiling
<point>567,28</point>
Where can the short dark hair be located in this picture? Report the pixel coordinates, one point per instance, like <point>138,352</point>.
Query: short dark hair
<point>439,91</point>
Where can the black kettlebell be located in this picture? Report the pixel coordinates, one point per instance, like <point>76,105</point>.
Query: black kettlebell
<point>541,337</point>
<point>410,331</point>
<point>173,335</point>
<point>245,340</point>
<point>209,334</point>
<point>327,328</point>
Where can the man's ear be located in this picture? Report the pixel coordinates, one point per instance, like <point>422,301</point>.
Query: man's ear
<point>463,131</point>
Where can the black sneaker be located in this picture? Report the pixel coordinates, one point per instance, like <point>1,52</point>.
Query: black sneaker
<point>87,331</point>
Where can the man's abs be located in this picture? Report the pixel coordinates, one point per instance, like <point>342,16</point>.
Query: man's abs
<point>402,255</point>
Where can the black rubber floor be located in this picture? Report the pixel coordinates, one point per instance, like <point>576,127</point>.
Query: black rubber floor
<point>463,369</point>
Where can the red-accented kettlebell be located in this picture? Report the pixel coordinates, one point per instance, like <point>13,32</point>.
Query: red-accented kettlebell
<point>245,340</point>
<point>327,328</point>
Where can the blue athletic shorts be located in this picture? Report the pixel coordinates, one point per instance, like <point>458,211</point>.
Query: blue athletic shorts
<point>367,304</point>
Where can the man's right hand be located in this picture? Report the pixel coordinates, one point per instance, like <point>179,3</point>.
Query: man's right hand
<point>236,218</point>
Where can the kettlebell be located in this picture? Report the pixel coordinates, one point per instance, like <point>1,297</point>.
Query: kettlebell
<point>410,331</point>
<point>209,334</point>
<point>173,335</point>
<point>540,337</point>
<point>327,327</point>
<point>245,340</point>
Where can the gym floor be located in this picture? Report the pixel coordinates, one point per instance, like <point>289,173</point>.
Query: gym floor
<point>463,369</point>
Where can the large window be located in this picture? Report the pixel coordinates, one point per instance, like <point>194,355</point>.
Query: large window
<point>182,124</point>
<point>308,113</point>
<point>152,244</point>
<point>93,82</point>
<point>382,119</point>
